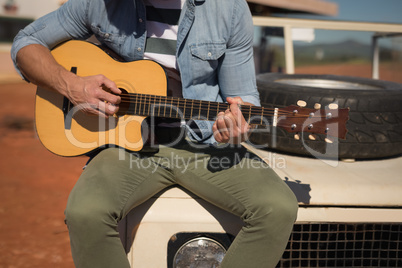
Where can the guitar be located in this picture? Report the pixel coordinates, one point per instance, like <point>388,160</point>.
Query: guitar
<point>67,131</point>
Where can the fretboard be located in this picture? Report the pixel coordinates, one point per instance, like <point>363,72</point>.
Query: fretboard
<point>179,108</point>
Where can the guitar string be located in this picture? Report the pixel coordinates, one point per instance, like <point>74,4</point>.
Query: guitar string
<point>176,109</point>
<point>166,99</point>
<point>199,104</point>
<point>145,100</point>
<point>317,129</point>
<point>202,108</point>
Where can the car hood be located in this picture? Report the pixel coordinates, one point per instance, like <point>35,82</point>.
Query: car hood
<point>320,182</point>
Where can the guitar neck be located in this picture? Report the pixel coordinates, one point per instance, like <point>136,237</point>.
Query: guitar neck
<point>292,118</point>
<point>179,108</point>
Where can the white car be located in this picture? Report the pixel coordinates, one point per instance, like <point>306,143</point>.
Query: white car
<point>349,192</point>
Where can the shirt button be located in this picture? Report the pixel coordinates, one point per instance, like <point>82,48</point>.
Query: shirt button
<point>107,35</point>
<point>140,20</point>
<point>139,49</point>
<point>209,54</point>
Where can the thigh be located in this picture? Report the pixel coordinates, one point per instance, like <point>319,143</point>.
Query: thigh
<point>115,181</point>
<point>236,181</point>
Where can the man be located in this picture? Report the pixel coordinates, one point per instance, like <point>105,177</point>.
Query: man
<point>206,46</point>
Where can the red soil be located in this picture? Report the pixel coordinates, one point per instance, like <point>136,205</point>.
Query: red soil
<point>34,186</point>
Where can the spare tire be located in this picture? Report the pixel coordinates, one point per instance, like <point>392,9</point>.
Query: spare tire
<point>375,117</point>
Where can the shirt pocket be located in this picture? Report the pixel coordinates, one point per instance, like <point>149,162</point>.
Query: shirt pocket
<point>205,60</point>
<point>209,51</point>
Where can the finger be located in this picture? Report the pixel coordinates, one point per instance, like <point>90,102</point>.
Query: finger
<point>109,84</point>
<point>90,109</point>
<point>222,128</point>
<point>232,127</point>
<point>217,135</point>
<point>241,122</point>
<point>109,97</point>
<point>237,114</point>
<point>239,128</point>
<point>109,91</point>
<point>232,100</point>
<point>234,106</point>
<point>103,109</point>
<point>111,108</point>
<point>107,108</point>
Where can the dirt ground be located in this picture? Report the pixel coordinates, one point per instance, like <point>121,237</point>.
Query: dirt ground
<point>34,186</point>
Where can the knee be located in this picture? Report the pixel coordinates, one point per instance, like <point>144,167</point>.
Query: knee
<point>79,215</point>
<point>281,209</point>
<point>87,211</point>
<point>89,221</point>
<point>285,208</point>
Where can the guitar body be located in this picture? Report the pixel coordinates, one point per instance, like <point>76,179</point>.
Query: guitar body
<point>65,130</point>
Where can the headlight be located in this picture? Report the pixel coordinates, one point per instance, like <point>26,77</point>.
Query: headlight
<point>200,252</point>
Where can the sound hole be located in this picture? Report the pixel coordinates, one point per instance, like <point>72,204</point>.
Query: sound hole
<point>124,105</point>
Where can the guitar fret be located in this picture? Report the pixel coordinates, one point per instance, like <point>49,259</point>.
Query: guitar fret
<point>144,108</point>
<point>184,108</point>
<point>249,115</point>
<point>144,105</point>
<point>171,107</point>
<point>262,115</point>
<point>155,106</point>
<point>192,105</point>
<point>149,105</point>
<point>139,108</point>
<point>199,110</point>
<point>159,106</point>
<point>209,103</point>
<point>140,103</point>
<point>178,109</point>
<point>164,108</point>
<point>135,106</point>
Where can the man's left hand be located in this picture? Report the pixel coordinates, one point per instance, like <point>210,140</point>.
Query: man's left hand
<point>230,126</point>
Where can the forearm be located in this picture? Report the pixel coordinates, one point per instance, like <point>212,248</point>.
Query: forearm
<point>38,66</point>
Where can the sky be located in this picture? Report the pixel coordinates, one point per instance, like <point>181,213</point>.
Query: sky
<point>386,11</point>
<point>382,11</point>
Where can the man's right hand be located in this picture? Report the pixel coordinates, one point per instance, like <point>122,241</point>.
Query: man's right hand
<point>95,94</point>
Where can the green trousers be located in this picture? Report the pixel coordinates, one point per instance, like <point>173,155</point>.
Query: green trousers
<point>235,180</point>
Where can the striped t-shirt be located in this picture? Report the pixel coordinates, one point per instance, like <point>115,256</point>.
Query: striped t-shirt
<point>162,26</point>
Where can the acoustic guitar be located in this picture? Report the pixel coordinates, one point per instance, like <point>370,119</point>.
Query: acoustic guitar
<point>66,130</point>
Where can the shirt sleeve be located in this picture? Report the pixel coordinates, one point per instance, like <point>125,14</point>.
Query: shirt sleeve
<point>237,71</point>
<point>67,22</point>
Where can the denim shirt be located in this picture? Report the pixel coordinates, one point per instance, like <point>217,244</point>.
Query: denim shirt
<point>214,43</point>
